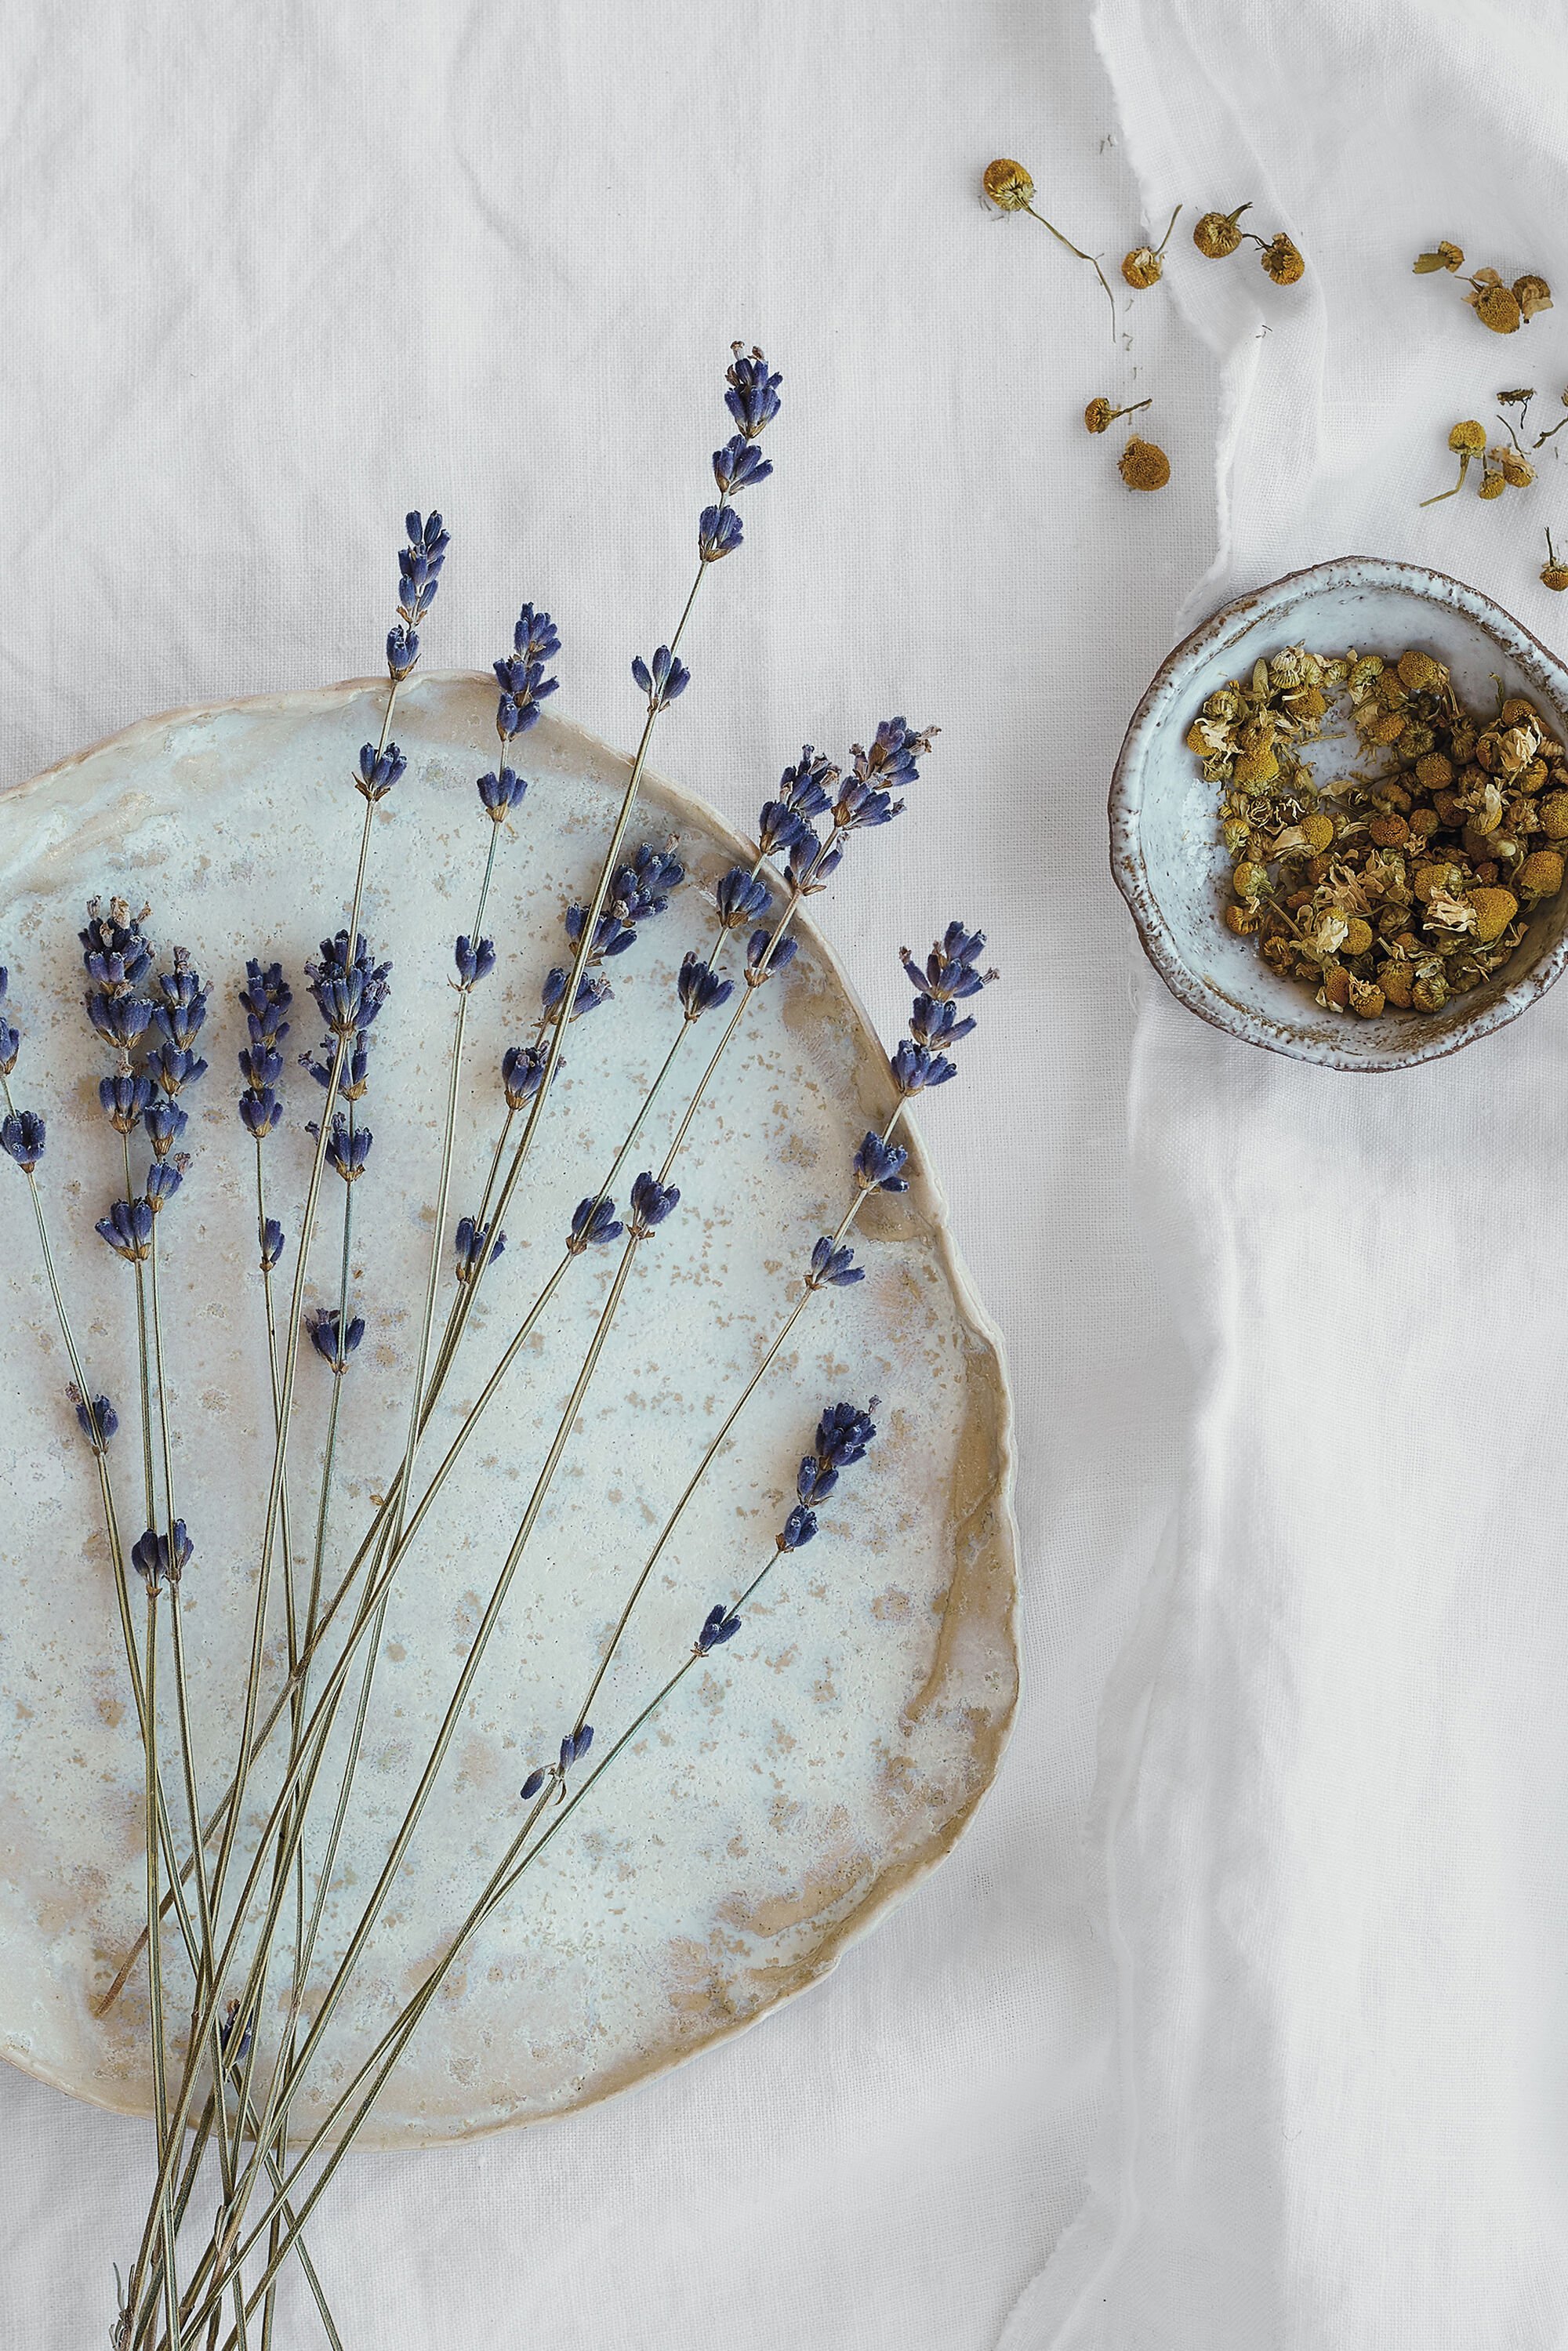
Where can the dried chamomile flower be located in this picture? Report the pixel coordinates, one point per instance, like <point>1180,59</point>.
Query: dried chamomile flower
<point>1099,416</point>
<point>1494,481</point>
<point>1553,575</point>
<point>1006,184</point>
<point>1143,466</point>
<point>1144,266</point>
<point>1282,261</point>
<point>1216,236</point>
<point>1532,293</point>
<point>1515,468</point>
<point>1467,440</point>
<point>1446,256</point>
<point>1497,306</point>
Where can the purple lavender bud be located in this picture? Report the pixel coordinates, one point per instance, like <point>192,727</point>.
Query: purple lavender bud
<point>22,1135</point>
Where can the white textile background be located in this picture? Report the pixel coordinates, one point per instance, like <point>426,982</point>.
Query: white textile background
<point>1331,1808</point>
<point>273,273</point>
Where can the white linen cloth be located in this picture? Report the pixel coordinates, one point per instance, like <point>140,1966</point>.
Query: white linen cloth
<point>1331,1808</point>
<point>275,273</point>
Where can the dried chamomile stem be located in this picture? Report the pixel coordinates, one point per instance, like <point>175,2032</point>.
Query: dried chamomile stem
<point>1218,234</point>
<point>1008,186</point>
<point>1467,440</point>
<point>1409,880</point>
<point>1099,416</point>
<point>1551,431</point>
<point>1144,266</point>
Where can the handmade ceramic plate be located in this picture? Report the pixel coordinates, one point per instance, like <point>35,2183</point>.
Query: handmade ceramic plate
<point>803,1777</point>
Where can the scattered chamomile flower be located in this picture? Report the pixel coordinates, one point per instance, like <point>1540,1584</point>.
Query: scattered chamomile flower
<point>1216,236</point>
<point>1143,466</point>
<point>1554,574</point>
<point>1220,235</point>
<point>1144,266</point>
<point>1283,261</point>
<point>1467,440</point>
<point>1505,308</point>
<point>1445,256</point>
<point>1006,184</point>
<point>1099,416</point>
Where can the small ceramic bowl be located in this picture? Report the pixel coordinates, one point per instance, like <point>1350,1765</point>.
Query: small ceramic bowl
<point>1170,862</point>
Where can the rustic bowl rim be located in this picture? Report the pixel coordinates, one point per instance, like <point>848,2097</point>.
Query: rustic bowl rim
<point>1546,673</point>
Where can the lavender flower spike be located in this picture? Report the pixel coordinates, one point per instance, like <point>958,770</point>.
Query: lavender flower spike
<point>419,575</point>
<point>501,791</point>
<point>592,1221</point>
<point>521,675</point>
<point>915,1070</point>
<point>720,1625</point>
<point>833,1267</point>
<point>651,1202</point>
<point>333,1346</point>
<point>753,395</point>
<point>22,1135</point>
<point>700,986</point>
<point>475,1248</point>
<point>475,960</point>
<point>127,1229</point>
<point>164,1178</point>
<point>718,533</point>
<point>124,1098</point>
<point>378,770</point>
<point>96,1417</point>
<point>877,1165</point>
<point>664,681</point>
<point>157,1560</point>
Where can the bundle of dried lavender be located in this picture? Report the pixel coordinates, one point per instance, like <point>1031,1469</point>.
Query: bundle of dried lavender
<point>249,1918</point>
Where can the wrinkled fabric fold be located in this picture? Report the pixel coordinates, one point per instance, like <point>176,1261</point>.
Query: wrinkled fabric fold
<point>1330,1824</point>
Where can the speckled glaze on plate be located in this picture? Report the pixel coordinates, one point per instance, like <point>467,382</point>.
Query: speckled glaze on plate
<point>806,1776</point>
<point>1169,862</point>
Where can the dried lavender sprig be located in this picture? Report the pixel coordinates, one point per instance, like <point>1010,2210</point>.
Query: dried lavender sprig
<point>843,1434</point>
<point>877,1166</point>
<point>524,686</point>
<point>24,1139</point>
<point>752,399</point>
<point>419,570</point>
<point>652,1212</point>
